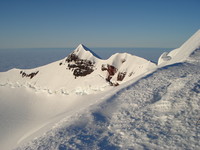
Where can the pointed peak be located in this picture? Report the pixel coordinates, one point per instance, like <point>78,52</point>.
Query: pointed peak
<point>80,45</point>
<point>82,48</point>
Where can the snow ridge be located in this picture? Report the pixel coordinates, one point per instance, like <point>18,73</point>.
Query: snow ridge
<point>183,53</point>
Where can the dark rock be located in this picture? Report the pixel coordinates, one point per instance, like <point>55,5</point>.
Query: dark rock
<point>31,75</point>
<point>79,67</point>
<point>121,76</point>
<point>110,69</point>
<point>123,60</point>
<point>113,84</point>
<point>82,72</point>
<point>72,57</point>
<point>130,74</point>
<point>111,72</point>
<point>104,67</point>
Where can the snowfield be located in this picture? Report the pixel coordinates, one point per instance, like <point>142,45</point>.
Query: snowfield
<point>160,111</point>
<point>84,102</point>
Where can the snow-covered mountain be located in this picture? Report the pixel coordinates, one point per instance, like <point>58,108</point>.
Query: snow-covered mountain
<point>186,51</point>
<point>40,96</point>
<point>82,72</point>
<point>124,102</point>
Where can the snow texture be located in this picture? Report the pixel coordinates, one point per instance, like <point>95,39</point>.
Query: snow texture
<point>160,111</point>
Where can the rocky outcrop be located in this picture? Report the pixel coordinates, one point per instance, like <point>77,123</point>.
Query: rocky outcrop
<point>30,75</point>
<point>72,57</point>
<point>79,67</point>
<point>121,76</point>
<point>110,69</point>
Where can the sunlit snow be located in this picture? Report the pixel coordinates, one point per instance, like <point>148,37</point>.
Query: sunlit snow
<point>84,102</point>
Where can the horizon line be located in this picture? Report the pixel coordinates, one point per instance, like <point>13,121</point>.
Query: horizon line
<point>76,47</point>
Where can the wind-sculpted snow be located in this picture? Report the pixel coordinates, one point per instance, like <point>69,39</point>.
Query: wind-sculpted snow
<point>159,111</point>
<point>182,53</point>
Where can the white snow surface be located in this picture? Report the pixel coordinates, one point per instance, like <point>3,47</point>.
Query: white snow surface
<point>159,111</point>
<point>183,53</point>
<point>152,108</point>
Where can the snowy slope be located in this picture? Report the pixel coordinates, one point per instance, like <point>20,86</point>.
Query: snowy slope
<point>160,111</point>
<point>183,53</point>
<point>33,100</point>
<point>82,72</point>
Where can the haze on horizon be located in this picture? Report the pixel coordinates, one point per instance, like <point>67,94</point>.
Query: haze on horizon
<point>122,23</point>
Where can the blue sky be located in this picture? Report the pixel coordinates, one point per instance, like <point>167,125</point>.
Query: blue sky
<point>97,23</point>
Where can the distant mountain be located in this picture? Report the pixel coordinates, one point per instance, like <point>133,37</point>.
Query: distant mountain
<point>183,53</point>
<point>81,72</point>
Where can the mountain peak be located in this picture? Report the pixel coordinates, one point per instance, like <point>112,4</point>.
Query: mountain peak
<point>82,49</point>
